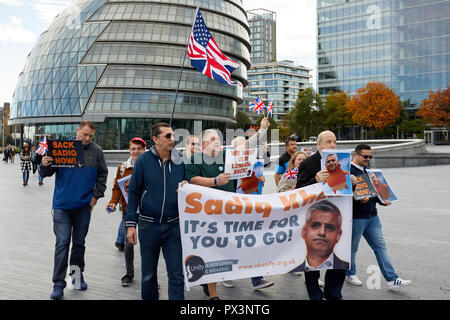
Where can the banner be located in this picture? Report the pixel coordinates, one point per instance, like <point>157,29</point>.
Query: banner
<point>239,163</point>
<point>228,236</point>
<point>66,153</point>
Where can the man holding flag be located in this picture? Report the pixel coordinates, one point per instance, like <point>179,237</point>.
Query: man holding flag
<point>40,152</point>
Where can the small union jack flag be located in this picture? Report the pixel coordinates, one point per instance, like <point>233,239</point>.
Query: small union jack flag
<point>269,109</point>
<point>257,106</point>
<point>291,174</point>
<point>43,147</point>
<point>206,55</point>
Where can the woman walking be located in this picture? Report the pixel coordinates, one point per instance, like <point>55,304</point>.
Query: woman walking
<point>25,163</point>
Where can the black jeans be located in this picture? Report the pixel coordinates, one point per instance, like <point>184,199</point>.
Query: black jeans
<point>334,280</point>
<point>129,249</point>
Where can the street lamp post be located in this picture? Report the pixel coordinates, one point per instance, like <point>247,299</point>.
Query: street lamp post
<point>3,128</point>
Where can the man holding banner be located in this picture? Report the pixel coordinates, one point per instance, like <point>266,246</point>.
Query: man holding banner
<point>310,173</point>
<point>77,190</point>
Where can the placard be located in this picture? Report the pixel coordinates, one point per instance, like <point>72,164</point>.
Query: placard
<point>66,153</point>
<point>239,163</point>
<point>337,164</point>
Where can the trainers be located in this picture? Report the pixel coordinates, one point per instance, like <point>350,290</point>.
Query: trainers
<point>127,280</point>
<point>320,282</point>
<point>82,285</point>
<point>120,246</point>
<point>58,292</point>
<point>397,283</point>
<point>228,284</point>
<point>205,289</point>
<point>214,298</point>
<point>262,284</point>
<point>353,279</point>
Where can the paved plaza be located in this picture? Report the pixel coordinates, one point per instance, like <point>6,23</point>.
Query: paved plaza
<point>416,230</point>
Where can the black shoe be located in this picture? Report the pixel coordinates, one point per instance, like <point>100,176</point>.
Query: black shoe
<point>214,298</point>
<point>120,246</point>
<point>127,280</point>
<point>205,289</point>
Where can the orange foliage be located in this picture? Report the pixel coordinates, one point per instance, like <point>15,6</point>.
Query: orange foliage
<point>436,109</point>
<point>374,106</point>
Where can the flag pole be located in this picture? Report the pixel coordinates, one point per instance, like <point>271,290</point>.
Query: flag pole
<point>182,68</point>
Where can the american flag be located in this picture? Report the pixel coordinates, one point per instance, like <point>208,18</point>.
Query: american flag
<point>270,109</point>
<point>257,105</point>
<point>206,56</point>
<point>43,147</point>
<point>291,174</point>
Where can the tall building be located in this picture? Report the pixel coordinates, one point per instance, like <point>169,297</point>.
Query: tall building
<point>263,35</point>
<point>278,82</point>
<point>117,63</point>
<point>403,43</point>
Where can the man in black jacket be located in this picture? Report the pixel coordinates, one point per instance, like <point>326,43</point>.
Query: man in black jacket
<point>367,223</point>
<point>309,172</point>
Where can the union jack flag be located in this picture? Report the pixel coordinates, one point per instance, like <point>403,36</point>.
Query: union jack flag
<point>257,106</point>
<point>206,56</point>
<point>43,147</point>
<point>291,174</point>
<point>270,109</point>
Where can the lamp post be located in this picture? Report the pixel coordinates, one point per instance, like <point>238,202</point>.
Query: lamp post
<point>3,128</point>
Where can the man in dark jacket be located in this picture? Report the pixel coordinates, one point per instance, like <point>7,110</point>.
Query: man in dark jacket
<point>76,193</point>
<point>309,172</point>
<point>366,223</point>
<point>153,189</point>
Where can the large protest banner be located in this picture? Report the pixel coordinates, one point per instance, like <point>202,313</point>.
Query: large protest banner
<point>228,236</point>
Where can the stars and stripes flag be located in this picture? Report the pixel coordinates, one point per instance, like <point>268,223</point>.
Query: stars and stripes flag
<point>206,56</point>
<point>291,174</point>
<point>269,109</point>
<point>43,147</point>
<point>257,105</point>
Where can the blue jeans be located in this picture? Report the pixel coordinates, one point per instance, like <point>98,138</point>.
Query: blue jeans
<point>372,232</point>
<point>40,179</point>
<point>121,233</point>
<point>153,237</point>
<point>25,175</point>
<point>69,225</point>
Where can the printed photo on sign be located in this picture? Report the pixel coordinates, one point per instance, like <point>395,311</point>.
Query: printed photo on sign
<point>363,188</point>
<point>337,164</point>
<point>66,153</point>
<point>123,185</point>
<point>253,184</point>
<point>227,236</point>
<point>239,162</point>
<point>381,186</point>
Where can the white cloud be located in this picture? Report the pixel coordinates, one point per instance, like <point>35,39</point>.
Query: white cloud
<point>48,9</point>
<point>15,33</point>
<point>12,2</point>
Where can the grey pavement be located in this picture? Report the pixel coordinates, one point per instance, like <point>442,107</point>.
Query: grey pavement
<point>415,228</point>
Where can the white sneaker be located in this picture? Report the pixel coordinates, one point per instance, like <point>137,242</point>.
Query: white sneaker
<point>263,283</point>
<point>353,280</point>
<point>320,283</point>
<point>398,283</point>
<point>228,284</point>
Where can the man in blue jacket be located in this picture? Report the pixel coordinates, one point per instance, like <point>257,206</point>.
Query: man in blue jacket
<point>153,189</point>
<point>75,195</point>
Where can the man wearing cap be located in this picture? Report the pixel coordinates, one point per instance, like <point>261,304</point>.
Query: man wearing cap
<point>137,147</point>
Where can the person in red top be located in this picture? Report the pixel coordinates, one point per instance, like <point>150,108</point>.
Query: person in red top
<point>137,147</point>
<point>337,179</point>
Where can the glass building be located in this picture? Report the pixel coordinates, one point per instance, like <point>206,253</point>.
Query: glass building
<point>403,43</point>
<point>278,82</point>
<point>117,63</point>
<point>263,35</point>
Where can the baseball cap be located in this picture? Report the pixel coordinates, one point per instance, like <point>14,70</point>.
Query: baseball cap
<point>138,140</point>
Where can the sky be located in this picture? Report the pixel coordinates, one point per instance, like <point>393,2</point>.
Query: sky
<point>22,21</point>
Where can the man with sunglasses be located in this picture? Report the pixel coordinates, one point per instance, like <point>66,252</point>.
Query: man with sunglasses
<point>366,223</point>
<point>191,146</point>
<point>153,188</point>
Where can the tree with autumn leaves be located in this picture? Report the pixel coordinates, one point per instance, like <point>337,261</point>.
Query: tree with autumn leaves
<point>436,109</point>
<point>374,106</point>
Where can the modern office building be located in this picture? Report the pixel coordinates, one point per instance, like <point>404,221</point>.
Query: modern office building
<point>117,63</point>
<point>403,43</point>
<point>263,35</point>
<point>278,82</point>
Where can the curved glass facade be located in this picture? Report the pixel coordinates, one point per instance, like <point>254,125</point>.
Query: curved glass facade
<point>117,63</point>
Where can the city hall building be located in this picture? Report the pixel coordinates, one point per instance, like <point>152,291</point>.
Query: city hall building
<point>117,63</point>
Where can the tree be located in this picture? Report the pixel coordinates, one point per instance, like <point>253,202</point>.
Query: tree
<point>374,106</point>
<point>304,119</point>
<point>241,120</point>
<point>436,109</point>
<point>336,113</point>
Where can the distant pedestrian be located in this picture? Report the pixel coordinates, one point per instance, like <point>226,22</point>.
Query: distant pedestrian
<point>25,163</point>
<point>6,154</point>
<point>33,159</point>
<point>12,153</point>
<point>76,193</point>
<point>137,147</point>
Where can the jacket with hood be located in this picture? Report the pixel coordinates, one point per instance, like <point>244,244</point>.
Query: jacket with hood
<point>153,189</point>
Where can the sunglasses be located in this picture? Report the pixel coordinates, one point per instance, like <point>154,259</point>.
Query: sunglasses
<point>195,144</point>
<point>365,156</point>
<point>168,135</point>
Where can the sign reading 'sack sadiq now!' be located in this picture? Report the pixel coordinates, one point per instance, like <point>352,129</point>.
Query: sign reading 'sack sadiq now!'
<point>66,153</point>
